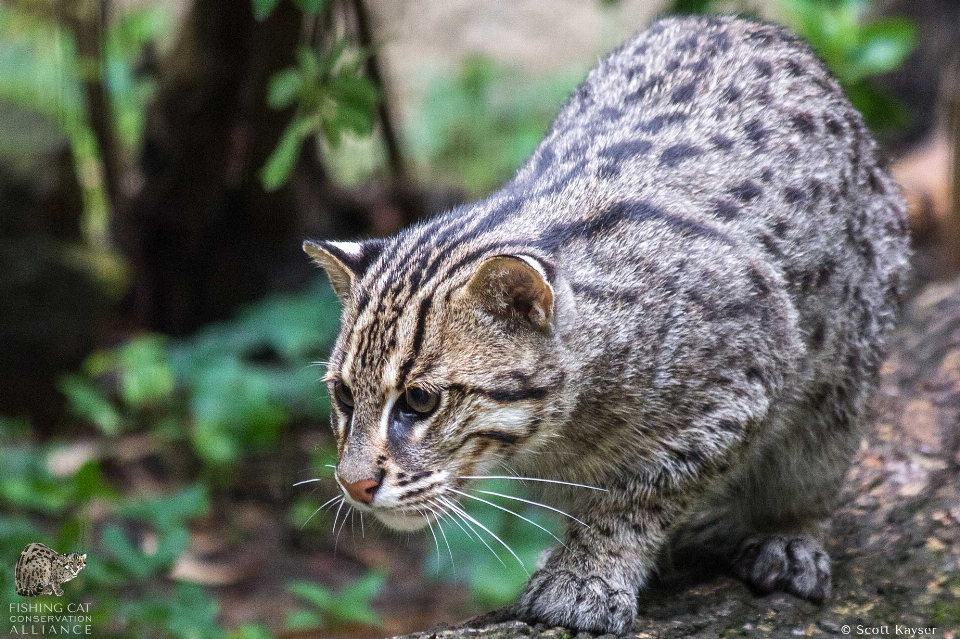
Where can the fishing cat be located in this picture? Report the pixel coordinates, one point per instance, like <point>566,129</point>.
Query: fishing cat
<point>681,299</point>
<point>40,570</point>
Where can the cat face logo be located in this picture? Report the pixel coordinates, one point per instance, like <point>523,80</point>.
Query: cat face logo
<point>40,570</point>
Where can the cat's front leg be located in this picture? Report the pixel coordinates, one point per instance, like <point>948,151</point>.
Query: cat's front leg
<point>591,582</point>
<point>57,590</point>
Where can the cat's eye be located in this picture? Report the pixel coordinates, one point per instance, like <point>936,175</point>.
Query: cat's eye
<point>343,394</point>
<point>420,400</point>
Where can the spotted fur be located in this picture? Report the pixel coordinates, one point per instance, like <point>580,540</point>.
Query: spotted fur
<point>681,298</point>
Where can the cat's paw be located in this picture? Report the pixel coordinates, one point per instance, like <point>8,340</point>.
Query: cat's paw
<point>579,602</point>
<point>795,564</point>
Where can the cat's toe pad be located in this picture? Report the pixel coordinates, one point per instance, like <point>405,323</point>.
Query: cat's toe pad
<point>795,564</point>
<point>587,602</point>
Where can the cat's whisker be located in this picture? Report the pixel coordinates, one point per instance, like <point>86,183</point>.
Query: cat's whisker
<point>492,534</point>
<point>439,515</point>
<point>363,533</point>
<point>309,481</point>
<point>337,516</point>
<point>460,513</point>
<point>336,541</point>
<point>536,479</point>
<point>329,502</point>
<point>507,510</point>
<point>532,503</point>
<point>436,542</point>
<point>457,522</point>
<point>333,466</point>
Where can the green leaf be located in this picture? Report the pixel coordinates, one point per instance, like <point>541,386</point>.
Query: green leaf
<point>303,619</point>
<point>315,594</point>
<point>886,44</point>
<point>130,559</point>
<point>263,8</point>
<point>311,7</point>
<point>170,511</point>
<point>278,166</point>
<point>89,404</point>
<point>145,375</point>
<point>283,88</point>
<point>692,6</point>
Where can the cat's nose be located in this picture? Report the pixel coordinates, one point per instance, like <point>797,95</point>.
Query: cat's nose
<point>362,491</point>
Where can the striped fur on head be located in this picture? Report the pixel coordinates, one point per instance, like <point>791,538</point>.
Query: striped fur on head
<point>483,339</point>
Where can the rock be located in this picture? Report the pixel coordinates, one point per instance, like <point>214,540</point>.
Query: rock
<point>895,539</point>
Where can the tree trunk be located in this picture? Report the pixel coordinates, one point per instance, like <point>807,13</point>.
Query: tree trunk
<point>201,234</point>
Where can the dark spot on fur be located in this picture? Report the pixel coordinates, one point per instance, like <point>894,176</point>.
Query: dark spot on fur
<point>673,65</point>
<point>793,195</point>
<point>684,93</point>
<point>677,153</point>
<point>688,44</point>
<point>816,189</point>
<point>770,245</point>
<point>824,273</point>
<point>794,68</point>
<point>780,228</point>
<point>726,210</point>
<point>610,113</point>
<point>754,374</point>
<point>700,66</point>
<point>764,68</point>
<point>746,192</point>
<point>834,127</point>
<point>655,124</point>
<point>755,131</point>
<point>818,336</point>
<point>804,123</point>
<point>722,142</point>
<point>732,93</point>
<point>652,84</point>
<point>766,176</point>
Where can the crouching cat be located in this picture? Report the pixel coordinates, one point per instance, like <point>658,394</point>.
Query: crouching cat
<point>680,300</point>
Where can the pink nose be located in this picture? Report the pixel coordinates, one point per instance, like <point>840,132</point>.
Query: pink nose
<point>362,491</point>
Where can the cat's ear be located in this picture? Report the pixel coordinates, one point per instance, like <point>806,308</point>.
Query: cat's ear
<point>83,557</point>
<point>515,286</point>
<point>344,262</point>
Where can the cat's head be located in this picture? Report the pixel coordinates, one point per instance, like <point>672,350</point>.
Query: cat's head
<point>76,562</point>
<point>442,369</point>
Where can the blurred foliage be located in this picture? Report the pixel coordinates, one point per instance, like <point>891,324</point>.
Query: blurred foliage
<point>476,128</point>
<point>324,608</point>
<point>332,97</point>
<point>854,45</point>
<point>228,391</point>
<point>329,90</point>
<point>43,73</point>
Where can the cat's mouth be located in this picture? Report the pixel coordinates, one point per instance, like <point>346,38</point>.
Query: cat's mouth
<point>405,521</point>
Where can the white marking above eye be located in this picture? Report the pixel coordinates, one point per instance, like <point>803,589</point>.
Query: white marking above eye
<point>385,416</point>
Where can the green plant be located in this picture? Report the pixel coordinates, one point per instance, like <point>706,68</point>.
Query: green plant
<point>328,609</point>
<point>332,97</point>
<point>43,74</point>
<point>228,391</point>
